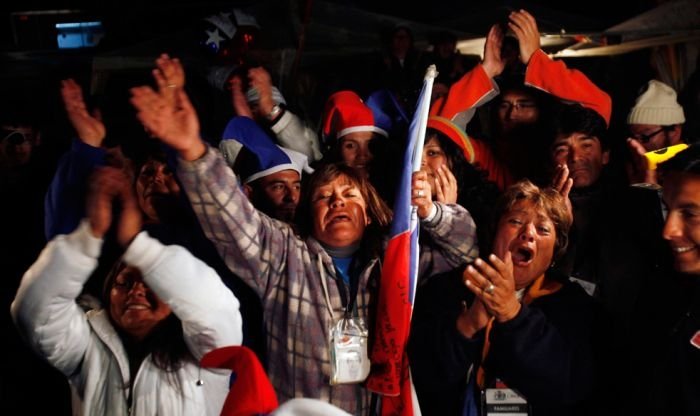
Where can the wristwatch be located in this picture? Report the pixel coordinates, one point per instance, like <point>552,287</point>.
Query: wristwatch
<point>274,113</point>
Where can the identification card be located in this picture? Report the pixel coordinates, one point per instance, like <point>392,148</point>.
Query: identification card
<point>505,402</point>
<point>348,347</point>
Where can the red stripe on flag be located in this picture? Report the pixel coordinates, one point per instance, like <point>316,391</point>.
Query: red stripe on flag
<point>392,334</point>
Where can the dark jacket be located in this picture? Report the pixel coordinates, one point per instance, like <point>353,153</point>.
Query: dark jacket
<point>546,352</point>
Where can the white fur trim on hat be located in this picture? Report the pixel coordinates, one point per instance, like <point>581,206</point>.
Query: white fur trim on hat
<point>353,129</point>
<point>657,106</point>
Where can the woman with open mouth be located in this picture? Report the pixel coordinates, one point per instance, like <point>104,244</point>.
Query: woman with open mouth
<point>507,330</point>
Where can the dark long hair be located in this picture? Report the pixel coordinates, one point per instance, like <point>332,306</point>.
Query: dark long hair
<point>474,192</point>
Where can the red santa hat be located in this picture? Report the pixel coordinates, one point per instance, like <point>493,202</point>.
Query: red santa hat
<point>346,113</point>
<point>251,392</point>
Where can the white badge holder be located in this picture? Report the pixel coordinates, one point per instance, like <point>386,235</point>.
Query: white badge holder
<point>348,347</point>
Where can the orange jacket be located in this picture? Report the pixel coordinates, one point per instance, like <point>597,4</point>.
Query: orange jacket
<point>476,88</point>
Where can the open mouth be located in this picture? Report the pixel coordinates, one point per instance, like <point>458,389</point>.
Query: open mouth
<point>339,218</point>
<point>522,256</point>
<point>137,307</point>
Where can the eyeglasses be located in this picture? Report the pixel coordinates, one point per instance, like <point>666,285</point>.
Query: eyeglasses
<point>517,105</point>
<point>644,138</point>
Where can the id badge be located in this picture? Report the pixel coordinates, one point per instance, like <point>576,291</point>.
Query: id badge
<point>348,347</point>
<point>505,402</point>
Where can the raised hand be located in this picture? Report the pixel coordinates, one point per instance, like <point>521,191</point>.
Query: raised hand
<point>175,125</point>
<point>445,186</point>
<point>107,185</point>
<point>638,167</point>
<point>421,195</point>
<point>473,318</point>
<point>89,127</point>
<point>493,62</point>
<point>524,27</point>
<point>494,285</point>
<point>260,79</point>
<point>169,76</point>
<point>238,98</point>
<point>562,183</point>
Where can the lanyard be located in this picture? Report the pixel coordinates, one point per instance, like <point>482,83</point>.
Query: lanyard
<point>354,278</point>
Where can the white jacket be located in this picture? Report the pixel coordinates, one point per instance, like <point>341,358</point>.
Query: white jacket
<point>86,347</point>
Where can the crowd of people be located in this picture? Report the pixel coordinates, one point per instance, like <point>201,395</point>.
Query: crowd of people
<point>549,281</point>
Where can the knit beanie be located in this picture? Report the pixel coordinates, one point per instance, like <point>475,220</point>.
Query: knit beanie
<point>657,105</point>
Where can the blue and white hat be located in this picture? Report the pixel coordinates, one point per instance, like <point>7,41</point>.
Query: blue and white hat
<point>254,154</point>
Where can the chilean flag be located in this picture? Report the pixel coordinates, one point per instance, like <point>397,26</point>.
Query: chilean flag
<point>390,375</point>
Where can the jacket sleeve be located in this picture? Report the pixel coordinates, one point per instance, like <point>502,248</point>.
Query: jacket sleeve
<point>474,89</point>
<point>44,309</point>
<point>293,134</point>
<point>547,354</point>
<point>64,204</point>
<point>434,334</point>
<point>252,245</point>
<point>567,84</point>
<point>451,243</point>
<point>194,291</point>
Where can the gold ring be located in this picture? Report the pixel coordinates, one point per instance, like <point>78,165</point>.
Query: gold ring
<point>490,288</point>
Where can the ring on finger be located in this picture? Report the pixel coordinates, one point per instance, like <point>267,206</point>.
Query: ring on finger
<point>490,288</point>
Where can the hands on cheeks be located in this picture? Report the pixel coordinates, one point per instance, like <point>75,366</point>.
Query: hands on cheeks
<point>445,186</point>
<point>494,286</point>
<point>107,185</point>
<point>421,195</point>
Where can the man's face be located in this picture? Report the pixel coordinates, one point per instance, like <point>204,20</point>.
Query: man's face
<point>339,213</point>
<point>654,137</point>
<point>583,155</point>
<point>681,194</point>
<point>17,144</point>
<point>516,108</point>
<point>277,194</point>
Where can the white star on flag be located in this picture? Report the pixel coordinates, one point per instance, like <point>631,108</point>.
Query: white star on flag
<point>215,38</point>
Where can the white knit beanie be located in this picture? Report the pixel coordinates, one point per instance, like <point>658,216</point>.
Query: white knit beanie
<point>657,106</point>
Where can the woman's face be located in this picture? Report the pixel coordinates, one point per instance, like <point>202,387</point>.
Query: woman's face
<point>339,213</point>
<point>355,152</point>
<point>156,188</point>
<point>433,158</point>
<point>529,235</point>
<point>134,308</point>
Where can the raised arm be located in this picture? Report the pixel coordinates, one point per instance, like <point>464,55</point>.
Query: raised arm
<point>244,238</point>
<point>552,76</point>
<point>291,132</point>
